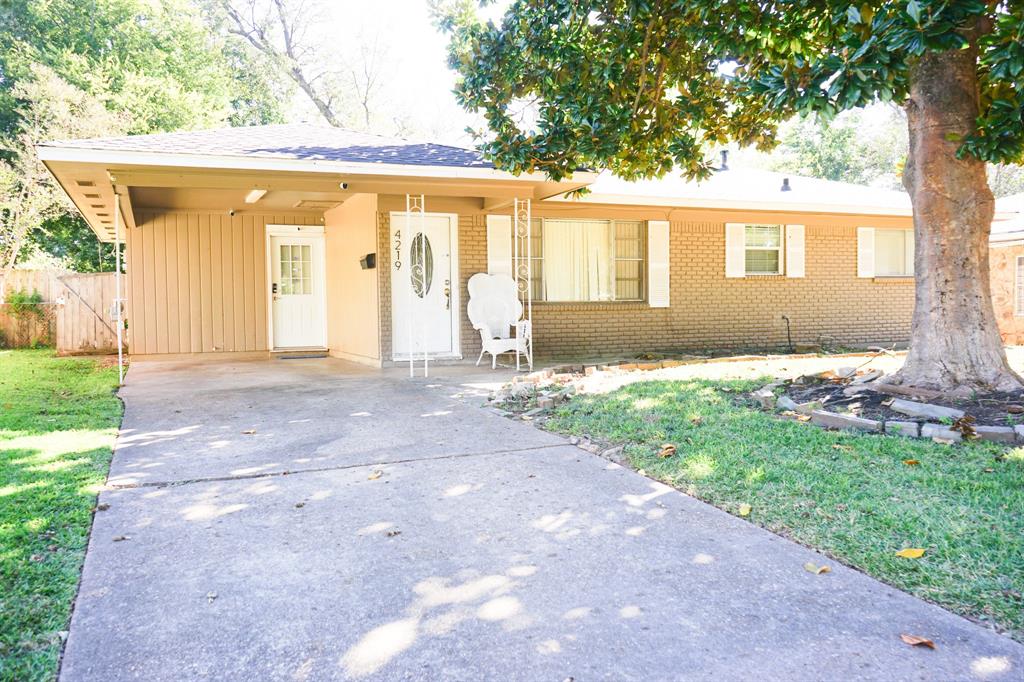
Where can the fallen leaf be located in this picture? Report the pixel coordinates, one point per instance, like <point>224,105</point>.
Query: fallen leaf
<point>911,553</point>
<point>121,538</point>
<point>103,506</point>
<point>249,432</point>
<point>36,558</point>
<point>911,462</point>
<point>667,450</point>
<point>696,420</point>
<point>942,441</point>
<point>815,569</point>
<point>839,446</point>
<point>744,510</point>
<point>989,470</point>
<point>915,640</point>
<point>965,425</point>
<point>374,475</point>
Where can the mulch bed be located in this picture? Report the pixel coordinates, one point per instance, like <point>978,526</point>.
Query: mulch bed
<point>991,409</point>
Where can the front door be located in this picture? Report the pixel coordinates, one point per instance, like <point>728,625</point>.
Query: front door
<point>424,311</point>
<point>297,289</point>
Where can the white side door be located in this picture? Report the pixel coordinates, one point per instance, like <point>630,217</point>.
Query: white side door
<point>297,290</point>
<point>424,310</point>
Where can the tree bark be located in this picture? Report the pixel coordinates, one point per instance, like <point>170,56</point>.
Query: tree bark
<point>954,343</point>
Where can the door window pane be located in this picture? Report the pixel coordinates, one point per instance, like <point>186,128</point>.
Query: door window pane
<point>421,260</point>
<point>296,263</point>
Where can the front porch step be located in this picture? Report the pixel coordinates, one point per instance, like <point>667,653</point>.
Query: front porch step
<point>300,353</point>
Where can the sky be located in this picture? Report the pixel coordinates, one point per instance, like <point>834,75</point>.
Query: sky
<point>416,83</point>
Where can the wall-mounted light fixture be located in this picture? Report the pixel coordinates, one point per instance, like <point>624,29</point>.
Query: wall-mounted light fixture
<point>254,195</point>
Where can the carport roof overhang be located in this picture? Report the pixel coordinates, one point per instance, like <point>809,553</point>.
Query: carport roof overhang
<point>91,178</point>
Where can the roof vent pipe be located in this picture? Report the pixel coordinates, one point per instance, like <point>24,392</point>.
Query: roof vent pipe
<point>785,185</point>
<point>725,160</point>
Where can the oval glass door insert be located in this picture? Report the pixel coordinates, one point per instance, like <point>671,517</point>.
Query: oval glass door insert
<point>421,265</point>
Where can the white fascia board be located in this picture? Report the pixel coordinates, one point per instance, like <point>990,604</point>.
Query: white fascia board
<point>1006,238</point>
<point>262,163</point>
<point>737,204</point>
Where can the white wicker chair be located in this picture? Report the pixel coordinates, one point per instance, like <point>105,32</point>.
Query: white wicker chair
<point>494,309</point>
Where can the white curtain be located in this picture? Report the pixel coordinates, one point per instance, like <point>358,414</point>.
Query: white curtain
<point>578,260</point>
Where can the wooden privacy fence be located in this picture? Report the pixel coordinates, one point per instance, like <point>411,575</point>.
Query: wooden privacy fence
<point>28,332</point>
<point>78,309</point>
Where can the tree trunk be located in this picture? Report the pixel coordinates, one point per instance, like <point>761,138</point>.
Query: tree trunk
<point>954,342</point>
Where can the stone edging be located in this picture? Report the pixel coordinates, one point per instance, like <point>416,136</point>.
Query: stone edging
<point>912,429</point>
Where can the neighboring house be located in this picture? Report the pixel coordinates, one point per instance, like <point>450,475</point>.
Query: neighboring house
<point>254,240</point>
<point>1006,267</point>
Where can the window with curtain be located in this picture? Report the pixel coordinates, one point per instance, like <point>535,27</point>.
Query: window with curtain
<point>763,249</point>
<point>587,260</point>
<point>894,253</point>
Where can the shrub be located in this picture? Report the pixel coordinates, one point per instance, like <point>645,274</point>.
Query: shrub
<point>28,310</point>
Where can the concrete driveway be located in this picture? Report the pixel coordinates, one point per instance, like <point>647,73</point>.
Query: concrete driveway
<point>484,550</point>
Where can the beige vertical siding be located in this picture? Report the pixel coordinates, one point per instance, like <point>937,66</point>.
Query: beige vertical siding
<point>197,281</point>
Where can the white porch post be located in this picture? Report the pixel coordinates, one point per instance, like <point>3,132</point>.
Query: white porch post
<point>117,289</point>
<point>522,268</point>
<point>414,206</point>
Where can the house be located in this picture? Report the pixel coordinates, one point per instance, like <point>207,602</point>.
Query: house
<point>275,238</point>
<point>1006,267</point>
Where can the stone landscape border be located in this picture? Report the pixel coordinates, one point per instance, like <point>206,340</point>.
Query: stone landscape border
<point>943,431</point>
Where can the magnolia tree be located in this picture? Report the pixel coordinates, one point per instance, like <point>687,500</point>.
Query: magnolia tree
<point>644,87</point>
<point>51,110</point>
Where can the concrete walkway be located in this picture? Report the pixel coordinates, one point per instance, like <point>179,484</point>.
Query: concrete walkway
<point>372,527</point>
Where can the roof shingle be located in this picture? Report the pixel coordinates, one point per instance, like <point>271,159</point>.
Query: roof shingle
<point>289,141</point>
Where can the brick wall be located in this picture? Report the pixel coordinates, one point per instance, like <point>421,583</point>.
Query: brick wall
<point>1002,269</point>
<point>831,304</point>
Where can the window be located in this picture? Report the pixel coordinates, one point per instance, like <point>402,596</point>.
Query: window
<point>894,253</point>
<point>763,249</point>
<point>587,260</point>
<point>296,269</point>
<point>1018,289</point>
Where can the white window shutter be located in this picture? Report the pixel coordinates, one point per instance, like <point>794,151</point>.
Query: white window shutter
<point>499,245</point>
<point>865,252</point>
<point>735,250</point>
<point>795,249</point>
<point>658,294</point>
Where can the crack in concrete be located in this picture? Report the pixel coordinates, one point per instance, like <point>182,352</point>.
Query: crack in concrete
<point>312,470</point>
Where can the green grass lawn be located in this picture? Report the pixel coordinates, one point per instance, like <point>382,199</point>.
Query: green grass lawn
<point>58,420</point>
<point>850,496</point>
